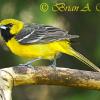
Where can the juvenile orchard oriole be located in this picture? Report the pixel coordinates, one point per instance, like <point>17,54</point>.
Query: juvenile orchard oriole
<point>39,41</point>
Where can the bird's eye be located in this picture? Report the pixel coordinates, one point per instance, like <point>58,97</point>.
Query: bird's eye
<point>9,25</point>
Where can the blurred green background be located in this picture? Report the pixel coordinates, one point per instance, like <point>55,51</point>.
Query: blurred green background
<point>84,23</point>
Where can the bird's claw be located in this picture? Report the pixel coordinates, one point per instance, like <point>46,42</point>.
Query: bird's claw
<point>53,66</point>
<point>26,65</point>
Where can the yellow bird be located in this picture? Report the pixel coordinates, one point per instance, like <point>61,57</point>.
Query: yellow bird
<point>39,41</point>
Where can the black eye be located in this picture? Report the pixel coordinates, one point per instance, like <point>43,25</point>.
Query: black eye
<point>9,25</point>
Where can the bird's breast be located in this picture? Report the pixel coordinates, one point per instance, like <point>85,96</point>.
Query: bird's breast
<point>32,50</point>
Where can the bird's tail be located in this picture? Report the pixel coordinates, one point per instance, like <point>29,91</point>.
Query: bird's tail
<point>83,59</point>
<point>70,51</point>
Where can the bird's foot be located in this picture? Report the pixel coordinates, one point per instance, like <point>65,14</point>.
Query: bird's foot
<point>27,65</point>
<point>53,66</point>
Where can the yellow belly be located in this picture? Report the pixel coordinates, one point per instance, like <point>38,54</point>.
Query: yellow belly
<point>31,51</point>
<point>46,51</point>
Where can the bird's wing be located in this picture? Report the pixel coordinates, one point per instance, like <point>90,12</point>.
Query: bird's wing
<point>41,34</point>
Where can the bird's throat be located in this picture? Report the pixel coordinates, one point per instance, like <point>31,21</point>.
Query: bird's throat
<point>6,35</point>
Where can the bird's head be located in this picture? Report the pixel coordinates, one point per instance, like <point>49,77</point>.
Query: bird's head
<point>10,27</point>
<point>14,26</point>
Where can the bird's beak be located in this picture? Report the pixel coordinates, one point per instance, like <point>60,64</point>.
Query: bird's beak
<point>3,27</point>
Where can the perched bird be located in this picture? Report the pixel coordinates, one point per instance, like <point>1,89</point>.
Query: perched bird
<point>39,41</point>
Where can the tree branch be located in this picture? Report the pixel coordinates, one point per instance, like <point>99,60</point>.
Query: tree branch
<point>15,76</point>
<point>60,76</point>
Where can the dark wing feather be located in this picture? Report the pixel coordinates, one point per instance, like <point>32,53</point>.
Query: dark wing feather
<point>41,34</point>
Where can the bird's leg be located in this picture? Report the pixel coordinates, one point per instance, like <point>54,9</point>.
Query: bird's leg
<point>53,65</point>
<point>29,63</point>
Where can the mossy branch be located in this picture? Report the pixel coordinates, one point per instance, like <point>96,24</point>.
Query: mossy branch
<point>15,76</point>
